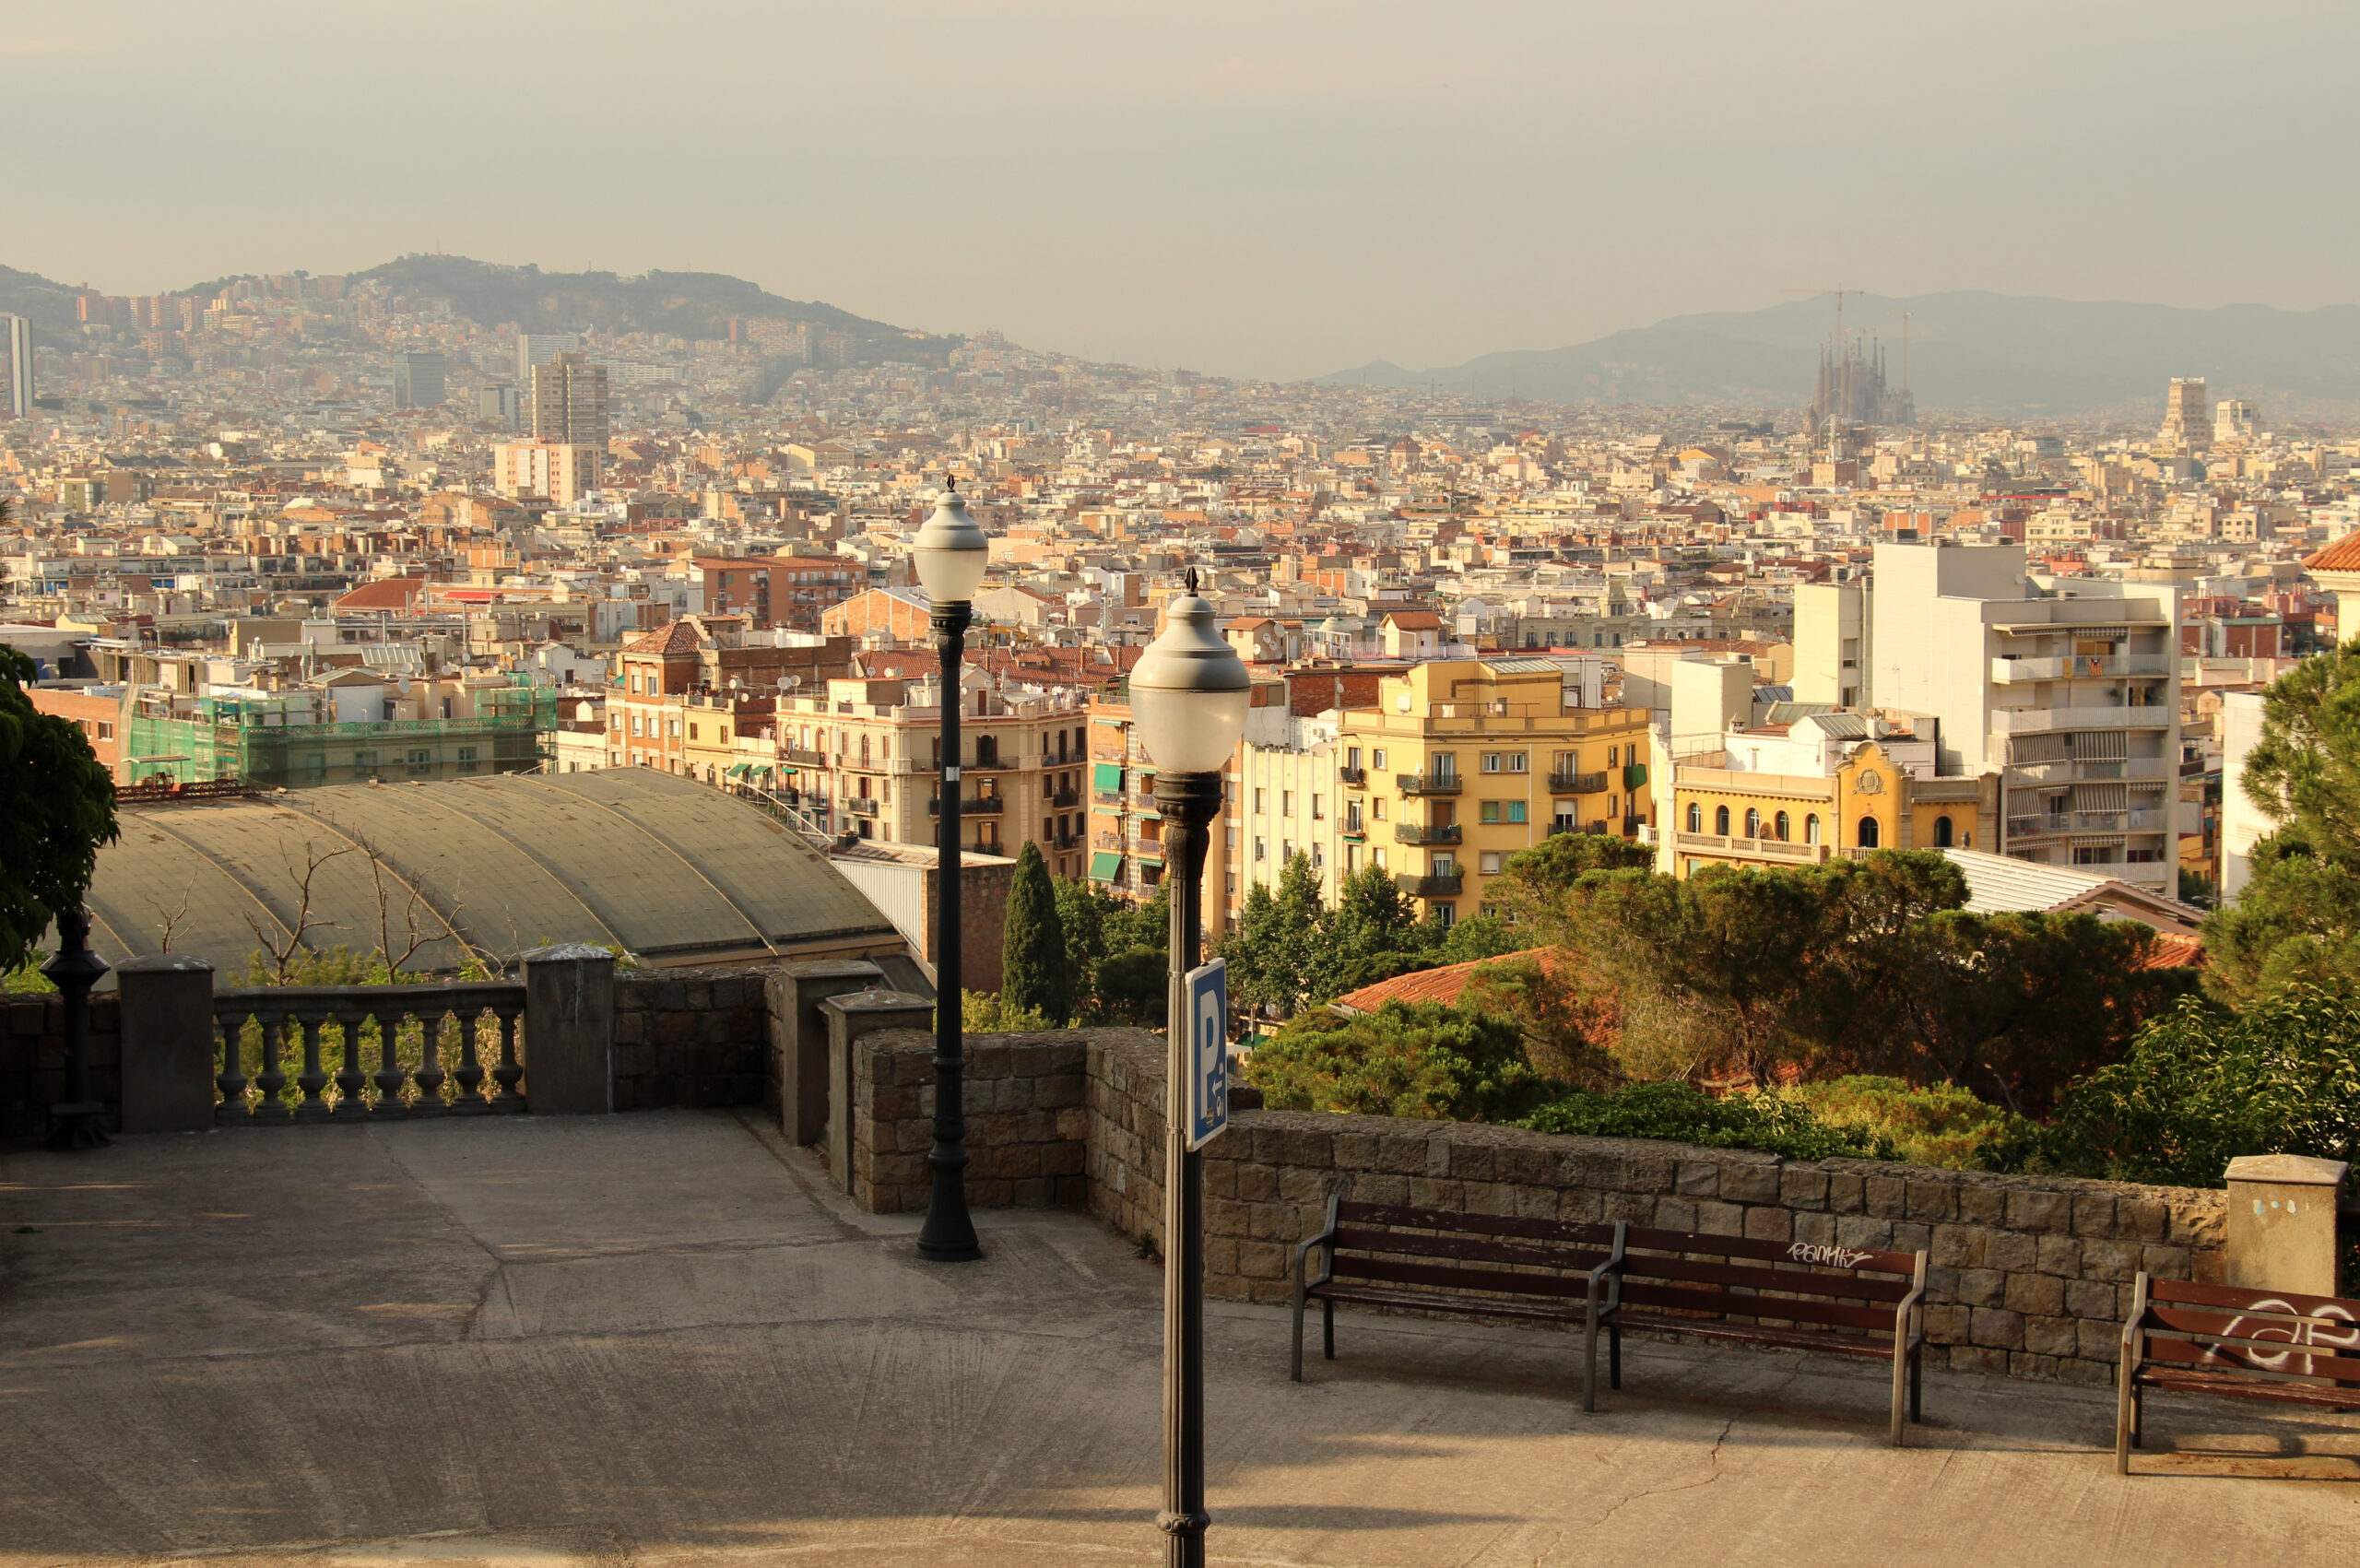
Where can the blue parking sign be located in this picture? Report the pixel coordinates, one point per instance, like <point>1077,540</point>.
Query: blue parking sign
<point>1207,988</point>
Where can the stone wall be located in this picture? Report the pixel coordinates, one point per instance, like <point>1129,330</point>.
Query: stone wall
<point>32,1060</point>
<point>1028,1116</point>
<point>690,1037</point>
<point>2027,1275</point>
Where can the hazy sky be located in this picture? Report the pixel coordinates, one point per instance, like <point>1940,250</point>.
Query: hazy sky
<point>1253,189</point>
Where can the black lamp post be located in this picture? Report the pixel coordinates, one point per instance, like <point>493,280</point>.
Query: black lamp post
<point>950,553</point>
<point>1188,701</point>
<point>78,1121</point>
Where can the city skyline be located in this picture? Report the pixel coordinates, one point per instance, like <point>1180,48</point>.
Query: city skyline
<point>1284,199</point>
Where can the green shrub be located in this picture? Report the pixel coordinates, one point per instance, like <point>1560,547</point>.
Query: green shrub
<point>1941,1125</point>
<point>984,1012</point>
<point>1680,1112</point>
<point>2201,1086</point>
<point>1427,1061</point>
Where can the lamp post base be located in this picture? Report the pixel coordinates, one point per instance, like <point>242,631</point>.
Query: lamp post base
<point>80,1123</point>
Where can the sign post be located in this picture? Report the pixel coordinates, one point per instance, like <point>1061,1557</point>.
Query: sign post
<point>1206,990</point>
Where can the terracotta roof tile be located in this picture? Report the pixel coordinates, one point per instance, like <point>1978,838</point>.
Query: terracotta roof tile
<point>2342,556</point>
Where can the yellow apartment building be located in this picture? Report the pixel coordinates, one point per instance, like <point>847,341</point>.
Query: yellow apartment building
<point>1828,785</point>
<point>1464,763</point>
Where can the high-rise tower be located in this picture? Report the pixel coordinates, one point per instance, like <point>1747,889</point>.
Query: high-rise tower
<point>570,401</point>
<point>16,371</point>
<point>2186,427</point>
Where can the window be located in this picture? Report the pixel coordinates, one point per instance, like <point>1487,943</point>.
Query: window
<point>106,729</point>
<point>1868,833</point>
<point>673,728</point>
<point>1286,803</point>
<point>1352,758</point>
<point>1721,820</point>
<point>1811,828</point>
<point>634,724</point>
<point>1261,849</point>
<point>1261,801</point>
<point>1490,863</point>
<point>1319,808</point>
<point>1491,761</point>
<point>1782,828</point>
<point>1376,808</point>
<point>1318,857</point>
<point>1446,764</point>
<point>466,759</point>
<point>1515,762</point>
<point>1941,833</point>
<point>692,729</point>
<point>1491,811</point>
<point>1695,817</point>
<point>1613,756</point>
<point>1752,823</point>
<point>1286,852</point>
<point>1516,811</point>
<point>634,685</point>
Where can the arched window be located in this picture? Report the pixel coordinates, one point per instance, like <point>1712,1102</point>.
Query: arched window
<point>1811,828</point>
<point>1752,823</point>
<point>1781,828</point>
<point>1941,833</point>
<point>1868,833</point>
<point>1721,820</point>
<point>1695,817</point>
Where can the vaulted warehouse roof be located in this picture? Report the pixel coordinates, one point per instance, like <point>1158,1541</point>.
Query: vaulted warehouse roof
<point>670,870</point>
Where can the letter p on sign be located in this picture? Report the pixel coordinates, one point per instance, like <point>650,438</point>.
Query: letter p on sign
<point>1208,1044</point>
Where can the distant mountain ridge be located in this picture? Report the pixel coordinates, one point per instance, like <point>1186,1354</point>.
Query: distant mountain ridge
<point>1970,351</point>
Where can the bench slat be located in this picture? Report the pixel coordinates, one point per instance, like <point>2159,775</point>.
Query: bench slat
<point>2244,1386</point>
<point>1856,1287</point>
<point>1442,1277</point>
<point>1420,1244</point>
<point>1809,1338</point>
<point>1817,1254</point>
<point>1466,1306</point>
<point>1581,1232</point>
<point>2333,1309</point>
<point>2254,1358</point>
<point>1733,1303</point>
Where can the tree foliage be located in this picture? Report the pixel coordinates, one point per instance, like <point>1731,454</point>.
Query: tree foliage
<point>57,809</point>
<point>1034,972</point>
<point>1427,1061</point>
<point>2201,1086</point>
<point>2297,921</point>
<point>1680,1112</point>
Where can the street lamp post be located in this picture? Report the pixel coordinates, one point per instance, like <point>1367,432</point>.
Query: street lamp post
<point>950,553</point>
<point>1188,699</point>
<point>78,1121</point>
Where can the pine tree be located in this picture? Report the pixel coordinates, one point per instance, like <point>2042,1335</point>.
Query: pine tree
<point>1034,971</point>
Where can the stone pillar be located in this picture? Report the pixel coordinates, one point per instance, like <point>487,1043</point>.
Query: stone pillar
<point>570,1030</point>
<point>798,1032</point>
<point>2282,1223</point>
<point>849,1018</point>
<point>168,1048</point>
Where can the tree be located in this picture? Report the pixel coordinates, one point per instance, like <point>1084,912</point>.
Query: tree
<point>1534,883</point>
<point>1084,909</point>
<point>1132,988</point>
<point>1427,1061</point>
<point>57,809</point>
<point>1034,975</point>
<point>2297,922</point>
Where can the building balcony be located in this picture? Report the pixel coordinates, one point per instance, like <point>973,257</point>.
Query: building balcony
<point>1427,784</point>
<point>1419,833</point>
<point>1784,851</point>
<point>1064,801</point>
<point>803,759</point>
<point>860,806</point>
<point>2080,667</point>
<point>996,764</point>
<point>2037,721</point>
<point>1577,783</point>
<point>2052,823</point>
<point>1442,885</point>
<point>2066,769</point>
<point>1065,841</point>
<point>1354,778</point>
<point>973,806</point>
<point>1110,797</point>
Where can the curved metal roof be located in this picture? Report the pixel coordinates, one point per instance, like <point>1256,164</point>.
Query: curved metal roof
<point>669,869</point>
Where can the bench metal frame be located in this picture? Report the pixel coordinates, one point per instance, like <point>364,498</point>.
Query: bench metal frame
<point>2183,1337</point>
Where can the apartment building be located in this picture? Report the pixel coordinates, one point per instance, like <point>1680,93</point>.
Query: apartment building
<point>1288,798</point>
<point>2071,695</point>
<point>703,658</point>
<point>559,470</point>
<point>570,402</point>
<point>1827,785</point>
<point>1463,762</point>
<point>792,591</point>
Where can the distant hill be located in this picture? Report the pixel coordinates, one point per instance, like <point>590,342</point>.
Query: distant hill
<point>49,306</point>
<point>1970,351</point>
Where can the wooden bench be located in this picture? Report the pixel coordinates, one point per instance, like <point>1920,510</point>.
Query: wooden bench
<point>1801,1295</point>
<point>2189,1338</point>
<point>1437,1260</point>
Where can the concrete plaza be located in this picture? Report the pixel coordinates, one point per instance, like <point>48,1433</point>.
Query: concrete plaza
<point>660,1339</point>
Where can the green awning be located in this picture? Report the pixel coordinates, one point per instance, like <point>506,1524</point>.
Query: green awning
<point>1106,777</point>
<point>1155,860</point>
<point>1634,775</point>
<point>740,770</point>
<point>1104,866</point>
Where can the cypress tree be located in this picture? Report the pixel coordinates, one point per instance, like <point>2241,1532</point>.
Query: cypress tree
<point>1034,970</point>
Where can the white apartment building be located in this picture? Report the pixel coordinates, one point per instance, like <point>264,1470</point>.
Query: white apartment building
<point>560,471</point>
<point>2072,697</point>
<point>1289,801</point>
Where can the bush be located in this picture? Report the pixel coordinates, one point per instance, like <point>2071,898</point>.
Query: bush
<point>982,1012</point>
<point>1942,1125</point>
<point>1427,1061</point>
<point>1680,1112</point>
<point>2201,1086</point>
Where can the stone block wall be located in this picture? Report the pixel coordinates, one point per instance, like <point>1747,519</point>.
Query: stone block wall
<point>690,1037</point>
<point>2027,1275</point>
<point>1028,1118</point>
<point>32,1060</point>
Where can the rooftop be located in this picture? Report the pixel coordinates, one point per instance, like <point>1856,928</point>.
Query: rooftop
<point>661,1338</point>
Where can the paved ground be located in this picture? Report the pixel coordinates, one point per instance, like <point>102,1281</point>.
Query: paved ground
<point>655,1340</point>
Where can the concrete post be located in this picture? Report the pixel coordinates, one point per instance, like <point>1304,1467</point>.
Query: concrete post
<point>849,1018</point>
<point>2282,1223</point>
<point>799,1038</point>
<point>167,1050</point>
<point>570,1030</point>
